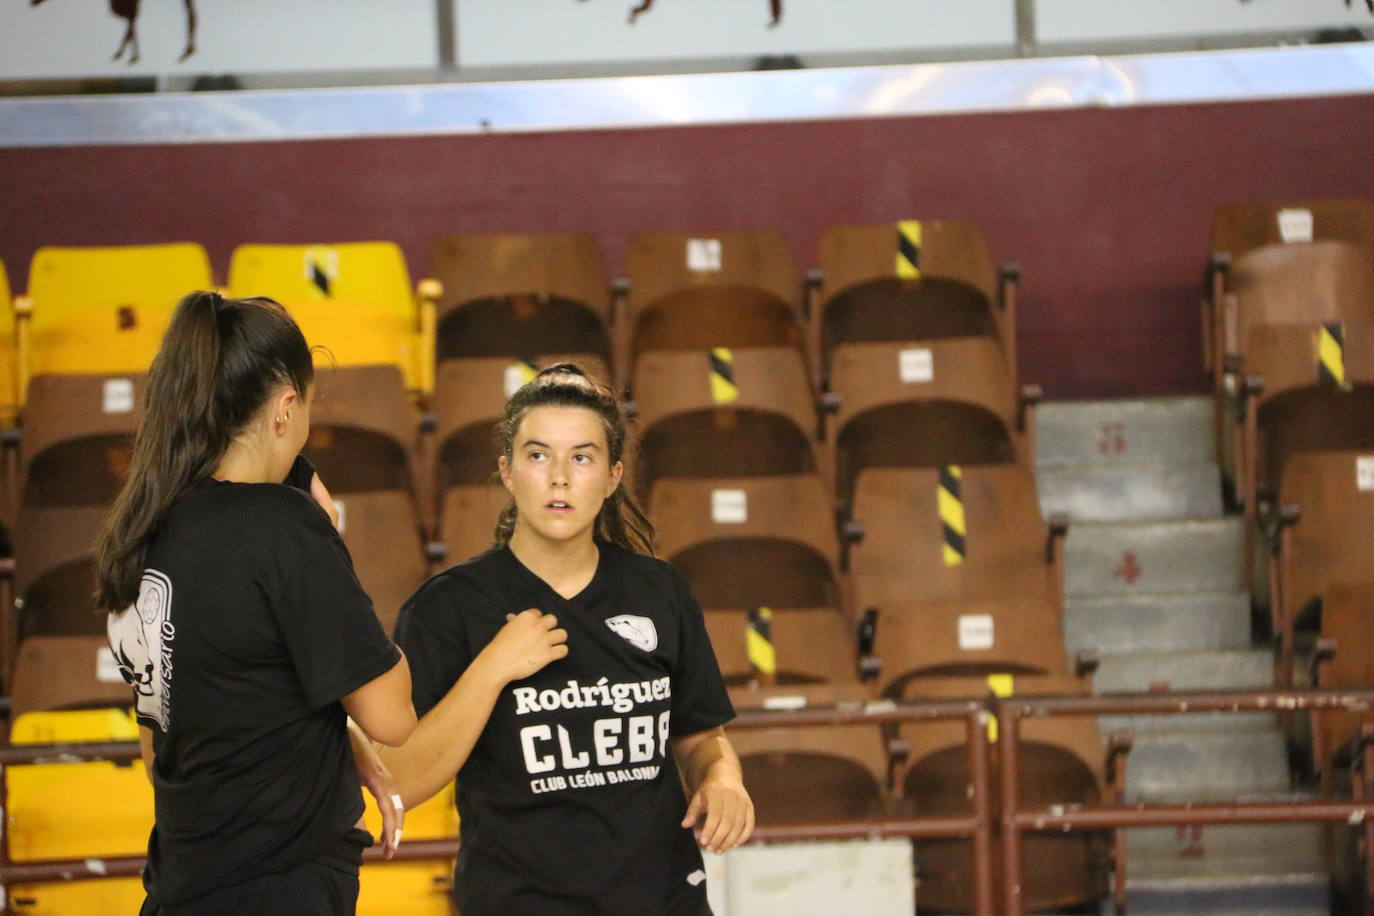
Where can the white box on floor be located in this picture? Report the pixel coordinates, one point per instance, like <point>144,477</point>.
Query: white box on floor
<point>873,877</point>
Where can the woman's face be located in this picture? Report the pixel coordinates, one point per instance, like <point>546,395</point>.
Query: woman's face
<point>559,473</point>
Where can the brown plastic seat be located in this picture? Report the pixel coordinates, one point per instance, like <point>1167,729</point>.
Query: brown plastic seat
<point>1347,633</point>
<point>1332,541</point>
<point>696,292</point>
<point>871,290</point>
<point>911,548</point>
<point>1239,229</point>
<point>811,645</point>
<point>813,773</point>
<point>1061,763</point>
<point>517,296</point>
<point>724,413</point>
<point>363,442</point>
<point>923,403</point>
<point>65,672</point>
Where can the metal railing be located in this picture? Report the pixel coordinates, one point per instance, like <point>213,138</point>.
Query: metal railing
<point>979,824</point>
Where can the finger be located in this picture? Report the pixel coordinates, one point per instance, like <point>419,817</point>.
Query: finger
<point>558,651</point>
<point>400,821</point>
<point>725,823</point>
<point>693,811</point>
<point>708,829</point>
<point>557,636</point>
<point>509,618</point>
<point>386,805</point>
<point>748,822</point>
<point>739,822</point>
<point>532,610</point>
<point>549,621</point>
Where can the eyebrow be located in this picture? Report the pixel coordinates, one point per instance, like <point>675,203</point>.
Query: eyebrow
<point>528,442</point>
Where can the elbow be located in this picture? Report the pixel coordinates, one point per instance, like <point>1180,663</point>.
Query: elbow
<point>396,732</point>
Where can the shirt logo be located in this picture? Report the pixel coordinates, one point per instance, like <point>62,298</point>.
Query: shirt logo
<point>696,877</point>
<point>635,630</point>
<point>141,637</point>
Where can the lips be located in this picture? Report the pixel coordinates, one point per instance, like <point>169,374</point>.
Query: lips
<point>558,506</point>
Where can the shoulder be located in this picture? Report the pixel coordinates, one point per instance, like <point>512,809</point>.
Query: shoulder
<point>638,569</point>
<point>273,512</point>
<point>458,586</point>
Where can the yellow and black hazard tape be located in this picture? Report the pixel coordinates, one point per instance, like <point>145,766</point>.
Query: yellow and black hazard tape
<point>528,370</point>
<point>999,685</point>
<point>909,249</point>
<point>949,496</point>
<point>758,636</point>
<point>317,272</point>
<point>723,389</point>
<point>1331,354</point>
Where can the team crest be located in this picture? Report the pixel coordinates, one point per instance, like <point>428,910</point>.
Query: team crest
<point>141,637</point>
<point>635,630</point>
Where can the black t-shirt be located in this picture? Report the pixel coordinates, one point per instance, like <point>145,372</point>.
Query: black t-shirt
<point>570,801</point>
<point>249,628</point>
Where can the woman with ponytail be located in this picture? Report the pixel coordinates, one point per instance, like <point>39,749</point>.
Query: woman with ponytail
<point>565,677</point>
<point>234,614</point>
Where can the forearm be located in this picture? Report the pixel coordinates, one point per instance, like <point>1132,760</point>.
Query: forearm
<point>444,737</point>
<point>698,756</point>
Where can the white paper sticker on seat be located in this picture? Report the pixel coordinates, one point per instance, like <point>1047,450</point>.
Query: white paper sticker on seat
<point>703,254</point>
<point>1295,225</point>
<point>119,395</point>
<point>515,378</point>
<point>106,668</point>
<point>340,508</point>
<point>729,507</point>
<point>1364,473</point>
<point>975,631</point>
<point>916,366</point>
<point>785,702</point>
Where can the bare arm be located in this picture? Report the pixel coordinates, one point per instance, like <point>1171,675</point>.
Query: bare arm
<point>382,707</point>
<point>145,749</point>
<point>446,735</point>
<point>720,809</point>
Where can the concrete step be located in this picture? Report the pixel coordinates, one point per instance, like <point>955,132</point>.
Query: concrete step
<point>1222,850</point>
<point>1193,765</point>
<point>1285,895</point>
<point>1157,623</point>
<point>1131,492</point>
<point>1168,430</point>
<point>1154,557</point>
<point>1160,672</point>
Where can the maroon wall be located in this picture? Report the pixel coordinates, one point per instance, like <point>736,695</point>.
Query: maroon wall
<point>1108,211</point>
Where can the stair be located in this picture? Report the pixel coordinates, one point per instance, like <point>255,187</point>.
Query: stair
<point>1156,591</point>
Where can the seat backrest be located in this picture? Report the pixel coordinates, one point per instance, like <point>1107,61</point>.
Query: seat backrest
<point>364,429</point>
<point>104,310</point>
<point>908,280</point>
<point>973,638</point>
<point>549,271</point>
<point>1347,619</point>
<point>382,532</point>
<point>730,289</point>
<point>1304,285</point>
<point>352,298</point>
<point>1239,228</point>
<point>957,532</point>
<point>799,645</point>
<point>102,409</point>
<point>1333,540</point>
<point>57,672</point>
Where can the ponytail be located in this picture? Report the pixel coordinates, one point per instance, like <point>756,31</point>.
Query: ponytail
<point>621,521</point>
<point>218,364</point>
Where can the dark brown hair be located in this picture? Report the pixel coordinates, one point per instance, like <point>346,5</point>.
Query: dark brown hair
<point>621,521</point>
<point>218,364</point>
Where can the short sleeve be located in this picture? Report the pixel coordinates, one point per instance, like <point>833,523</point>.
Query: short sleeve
<point>700,700</point>
<point>430,631</point>
<point>331,632</point>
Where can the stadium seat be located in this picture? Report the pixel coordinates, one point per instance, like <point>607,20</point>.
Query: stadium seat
<point>724,413</point>
<point>1062,763</point>
<point>469,397</point>
<point>910,280</point>
<point>519,296</point>
<point>811,773</point>
<point>1330,543</point>
<point>9,357</point>
<point>363,442</point>
<point>1238,229</point>
<point>352,299</point>
<point>102,311</point>
<point>729,289</point>
<point>75,450</point>
<point>1342,661</point>
<point>768,647</point>
<point>65,672</point>
<point>1300,329</point>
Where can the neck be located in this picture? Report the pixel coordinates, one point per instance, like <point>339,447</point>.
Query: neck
<point>242,463</point>
<point>567,566</point>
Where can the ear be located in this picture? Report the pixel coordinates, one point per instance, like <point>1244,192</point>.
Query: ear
<point>503,466</point>
<point>282,405</point>
<point>617,472</point>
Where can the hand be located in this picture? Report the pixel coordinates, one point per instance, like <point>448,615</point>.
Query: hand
<point>721,811</point>
<point>326,501</point>
<point>529,641</point>
<point>376,778</point>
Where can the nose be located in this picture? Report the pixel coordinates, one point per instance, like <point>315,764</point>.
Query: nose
<point>558,474</point>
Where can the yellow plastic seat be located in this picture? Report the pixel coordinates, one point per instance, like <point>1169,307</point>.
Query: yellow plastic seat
<point>412,888</point>
<point>353,299</point>
<point>9,398</point>
<point>103,310</point>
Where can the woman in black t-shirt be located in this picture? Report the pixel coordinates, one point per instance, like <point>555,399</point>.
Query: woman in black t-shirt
<point>234,614</point>
<point>567,674</point>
